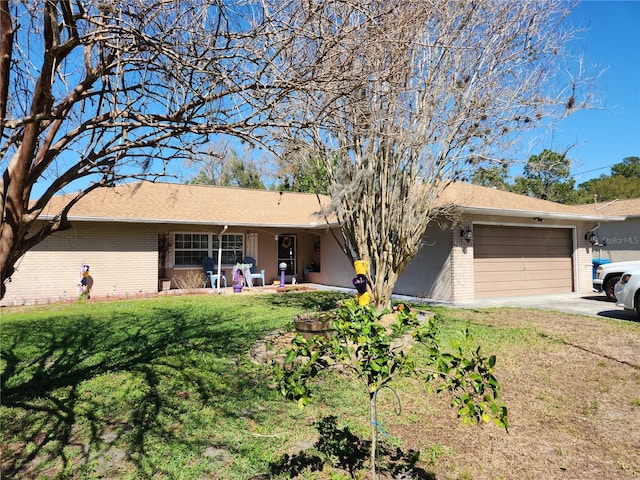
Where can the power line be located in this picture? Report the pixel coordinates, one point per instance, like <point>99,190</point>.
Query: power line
<point>594,170</point>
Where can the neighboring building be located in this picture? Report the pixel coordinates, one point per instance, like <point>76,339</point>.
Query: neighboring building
<point>619,241</point>
<point>501,244</point>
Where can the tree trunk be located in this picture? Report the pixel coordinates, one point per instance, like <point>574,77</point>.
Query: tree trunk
<point>374,434</point>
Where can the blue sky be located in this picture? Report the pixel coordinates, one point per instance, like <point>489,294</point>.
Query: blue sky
<point>606,136</point>
<point>602,137</point>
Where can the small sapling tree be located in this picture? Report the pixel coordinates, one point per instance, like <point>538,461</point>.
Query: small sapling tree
<point>376,355</point>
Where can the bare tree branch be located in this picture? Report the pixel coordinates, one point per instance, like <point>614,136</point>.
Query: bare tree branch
<point>400,98</point>
<point>95,92</point>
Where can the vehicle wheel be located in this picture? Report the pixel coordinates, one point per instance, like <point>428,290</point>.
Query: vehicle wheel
<point>638,302</point>
<point>609,287</point>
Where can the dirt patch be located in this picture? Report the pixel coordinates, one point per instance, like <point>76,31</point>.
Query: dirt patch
<point>573,393</point>
<point>574,405</point>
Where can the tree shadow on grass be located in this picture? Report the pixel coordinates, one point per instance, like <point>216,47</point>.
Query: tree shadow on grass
<point>319,300</point>
<point>77,386</point>
<point>102,390</point>
<point>343,450</point>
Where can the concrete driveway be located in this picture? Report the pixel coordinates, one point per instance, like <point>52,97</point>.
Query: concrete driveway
<point>595,304</point>
<point>591,304</point>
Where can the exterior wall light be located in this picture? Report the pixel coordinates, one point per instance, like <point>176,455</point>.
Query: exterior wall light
<point>593,239</point>
<point>467,234</point>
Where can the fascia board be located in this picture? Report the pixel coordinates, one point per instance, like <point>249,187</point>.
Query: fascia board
<point>310,225</point>
<point>541,214</point>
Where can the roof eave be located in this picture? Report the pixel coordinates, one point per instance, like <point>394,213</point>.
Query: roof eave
<point>541,214</point>
<point>322,224</point>
<point>309,225</point>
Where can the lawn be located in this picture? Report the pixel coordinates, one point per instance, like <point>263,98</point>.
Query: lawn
<point>164,388</point>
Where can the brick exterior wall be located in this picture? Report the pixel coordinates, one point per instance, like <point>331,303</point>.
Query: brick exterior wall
<point>461,267</point>
<point>584,256</point>
<point>123,259</point>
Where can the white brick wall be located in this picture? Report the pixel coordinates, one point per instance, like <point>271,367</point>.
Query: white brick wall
<point>462,266</point>
<point>121,257</point>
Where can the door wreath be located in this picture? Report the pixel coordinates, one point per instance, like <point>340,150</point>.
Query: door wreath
<point>286,242</point>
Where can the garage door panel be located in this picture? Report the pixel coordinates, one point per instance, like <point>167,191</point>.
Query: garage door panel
<point>510,242</point>
<point>541,264</point>
<point>519,233</point>
<point>530,275</point>
<point>525,240</point>
<point>520,286</point>
<point>513,290</point>
<point>514,253</point>
<point>510,261</point>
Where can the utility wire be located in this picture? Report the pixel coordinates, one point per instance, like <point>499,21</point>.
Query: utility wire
<point>594,170</point>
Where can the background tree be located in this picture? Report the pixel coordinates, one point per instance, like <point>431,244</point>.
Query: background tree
<point>223,166</point>
<point>547,176</point>
<point>624,182</point>
<point>94,92</point>
<point>630,168</point>
<point>300,169</point>
<point>494,176</point>
<point>399,98</point>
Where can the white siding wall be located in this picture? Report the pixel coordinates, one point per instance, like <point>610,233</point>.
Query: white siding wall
<point>335,267</point>
<point>429,274</point>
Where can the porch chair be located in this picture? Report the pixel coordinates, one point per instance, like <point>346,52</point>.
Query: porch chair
<point>254,275</point>
<point>208,267</point>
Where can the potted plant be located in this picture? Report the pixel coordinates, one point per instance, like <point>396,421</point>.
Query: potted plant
<point>315,324</point>
<point>164,245</point>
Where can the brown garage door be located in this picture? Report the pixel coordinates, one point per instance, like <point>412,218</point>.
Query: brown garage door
<point>511,261</point>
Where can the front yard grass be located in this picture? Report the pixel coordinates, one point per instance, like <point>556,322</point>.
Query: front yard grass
<point>163,388</point>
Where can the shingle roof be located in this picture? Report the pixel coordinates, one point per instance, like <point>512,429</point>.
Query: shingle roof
<point>178,203</point>
<point>630,207</point>
<point>181,204</point>
<point>483,200</point>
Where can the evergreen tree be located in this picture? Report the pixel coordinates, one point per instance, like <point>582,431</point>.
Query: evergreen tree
<point>547,176</point>
<point>494,176</point>
<point>624,182</point>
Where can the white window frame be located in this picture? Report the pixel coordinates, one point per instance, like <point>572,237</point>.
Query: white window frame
<point>177,249</point>
<point>238,253</point>
<point>237,245</point>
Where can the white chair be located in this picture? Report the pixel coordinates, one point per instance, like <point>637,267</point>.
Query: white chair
<point>207,267</point>
<point>254,275</point>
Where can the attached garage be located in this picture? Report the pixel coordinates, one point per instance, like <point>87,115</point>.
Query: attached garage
<point>512,261</point>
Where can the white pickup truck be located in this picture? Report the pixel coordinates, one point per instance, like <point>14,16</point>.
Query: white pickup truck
<point>608,274</point>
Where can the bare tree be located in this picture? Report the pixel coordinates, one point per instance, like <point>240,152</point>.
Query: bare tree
<point>93,92</point>
<point>401,97</point>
